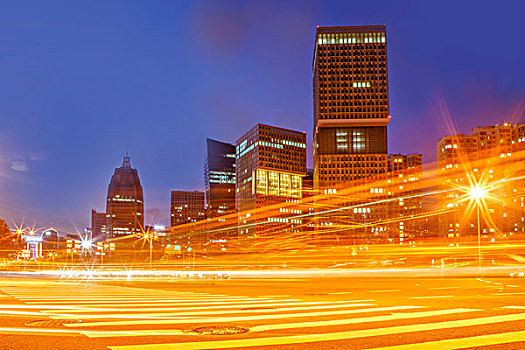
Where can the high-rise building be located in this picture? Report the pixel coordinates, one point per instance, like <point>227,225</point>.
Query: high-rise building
<point>219,178</point>
<point>351,115</point>
<point>351,105</point>
<point>125,202</point>
<point>270,164</point>
<point>493,154</point>
<point>186,207</point>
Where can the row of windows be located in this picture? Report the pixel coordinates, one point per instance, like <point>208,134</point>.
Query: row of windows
<point>358,55</point>
<point>340,114</point>
<point>352,103</point>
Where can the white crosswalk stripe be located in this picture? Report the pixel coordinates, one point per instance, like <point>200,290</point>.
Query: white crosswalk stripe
<point>127,318</point>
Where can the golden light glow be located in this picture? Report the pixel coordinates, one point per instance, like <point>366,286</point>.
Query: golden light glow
<point>478,192</point>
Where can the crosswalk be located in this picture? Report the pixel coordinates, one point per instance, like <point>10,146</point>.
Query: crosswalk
<point>129,318</point>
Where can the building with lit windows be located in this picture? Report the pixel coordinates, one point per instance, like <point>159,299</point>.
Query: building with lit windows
<point>351,105</point>
<point>405,177</point>
<point>270,165</point>
<point>493,154</point>
<point>125,202</point>
<point>186,207</point>
<point>351,115</point>
<point>99,223</point>
<point>219,178</point>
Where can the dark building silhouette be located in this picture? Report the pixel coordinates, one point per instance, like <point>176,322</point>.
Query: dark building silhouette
<point>125,202</point>
<point>99,223</point>
<point>219,178</point>
<point>351,105</point>
<point>186,206</point>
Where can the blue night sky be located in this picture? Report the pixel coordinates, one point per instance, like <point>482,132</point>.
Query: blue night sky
<point>82,82</point>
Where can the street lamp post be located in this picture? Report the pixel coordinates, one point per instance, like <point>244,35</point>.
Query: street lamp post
<point>149,239</point>
<point>150,252</point>
<point>477,192</point>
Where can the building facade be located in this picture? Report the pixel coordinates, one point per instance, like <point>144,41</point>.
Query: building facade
<point>405,173</point>
<point>270,165</point>
<point>186,207</point>
<point>493,155</point>
<point>99,223</point>
<point>219,178</point>
<point>351,115</point>
<point>351,104</point>
<point>125,202</point>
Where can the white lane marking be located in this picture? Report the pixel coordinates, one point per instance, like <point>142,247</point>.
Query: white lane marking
<point>185,308</point>
<point>516,293</point>
<point>441,288</point>
<point>393,316</point>
<point>385,290</point>
<point>130,297</point>
<point>312,338</point>
<point>168,315</point>
<point>433,297</point>
<point>338,322</point>
<point>174,301</point>
<point>517,258</point>
<point>338,293</point>
<point>239,318</point>
<point>513,307</point>
<point>468,342</point>
<point>512,286</point>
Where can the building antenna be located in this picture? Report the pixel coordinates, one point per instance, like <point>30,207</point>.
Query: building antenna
<point>127,162</point>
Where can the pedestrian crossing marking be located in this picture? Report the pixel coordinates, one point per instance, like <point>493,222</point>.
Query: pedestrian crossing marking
<point>106,306</point>
<point>262,328</point>
<point>183,314</point>
<point>468,342</point>
<point>320,337</point>
<point>233,319</point>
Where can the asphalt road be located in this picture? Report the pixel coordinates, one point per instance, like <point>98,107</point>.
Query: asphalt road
<point>342,313</point>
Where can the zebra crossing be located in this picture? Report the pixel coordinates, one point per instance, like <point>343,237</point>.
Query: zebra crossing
<point>129,318</point>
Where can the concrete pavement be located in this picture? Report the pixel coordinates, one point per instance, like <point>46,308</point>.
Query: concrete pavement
<point>353,313</point>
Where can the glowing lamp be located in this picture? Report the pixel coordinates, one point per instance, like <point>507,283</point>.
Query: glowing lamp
<point>86,245</point>
<point>477,192</point>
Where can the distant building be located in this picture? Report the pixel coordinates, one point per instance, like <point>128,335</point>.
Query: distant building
<point>99,223</point>
<point>494,154</point>
<point>186,207</point>
<point>405,174</point>
<point>219,178</point>
<point>125,202</point>
<point>270,165</point>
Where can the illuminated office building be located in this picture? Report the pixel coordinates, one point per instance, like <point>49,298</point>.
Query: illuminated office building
<point>494,154</point>
<point>219,178</point>
<point>351,105</point>
<point>270,164</point>
<point>186,207</point>
<point>125,202</point>
<point>351,115</point>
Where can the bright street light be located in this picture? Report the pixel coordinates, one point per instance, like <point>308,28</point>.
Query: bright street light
<point>477,193</point>
<point>86,244</point>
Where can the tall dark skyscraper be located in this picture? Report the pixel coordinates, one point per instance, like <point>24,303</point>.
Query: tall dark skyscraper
<point>219,178</point>
<point>125,202</point>
<point>351,107</point>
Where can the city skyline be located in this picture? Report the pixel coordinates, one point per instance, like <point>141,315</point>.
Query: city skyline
<point>89,132</point>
